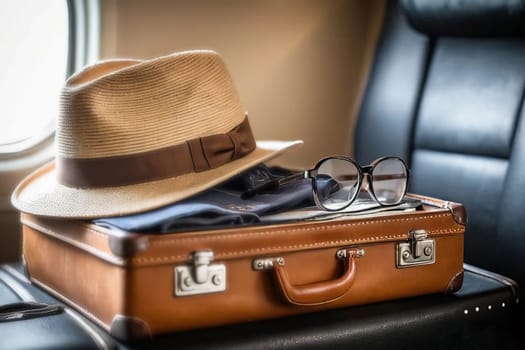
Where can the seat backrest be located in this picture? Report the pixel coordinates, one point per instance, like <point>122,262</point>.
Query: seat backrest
<point>446,92</point>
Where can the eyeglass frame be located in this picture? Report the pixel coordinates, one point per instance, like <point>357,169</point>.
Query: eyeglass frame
<point>312,173</point>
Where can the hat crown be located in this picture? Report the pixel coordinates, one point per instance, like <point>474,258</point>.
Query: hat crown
<point>117,108</point>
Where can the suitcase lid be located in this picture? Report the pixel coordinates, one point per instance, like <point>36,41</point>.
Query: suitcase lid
<point>437,218</point>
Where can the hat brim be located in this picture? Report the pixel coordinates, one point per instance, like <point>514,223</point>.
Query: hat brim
<point>40,194</point>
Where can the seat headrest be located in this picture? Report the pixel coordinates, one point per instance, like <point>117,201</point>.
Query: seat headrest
<point>466,17</point>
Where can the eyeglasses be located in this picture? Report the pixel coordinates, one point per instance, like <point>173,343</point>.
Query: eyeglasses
<point>337,181</point>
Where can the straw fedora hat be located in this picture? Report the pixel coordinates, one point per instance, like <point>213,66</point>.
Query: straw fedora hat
<point>136,135</point>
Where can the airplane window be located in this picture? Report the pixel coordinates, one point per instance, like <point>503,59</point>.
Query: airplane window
<point>34,40</point>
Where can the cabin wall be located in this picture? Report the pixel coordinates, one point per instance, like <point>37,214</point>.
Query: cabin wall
<point>299,65</point>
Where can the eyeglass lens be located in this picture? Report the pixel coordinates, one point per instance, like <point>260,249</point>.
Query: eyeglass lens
<point>342,177</point>
<point>389,181</point>
<point>338,182</point>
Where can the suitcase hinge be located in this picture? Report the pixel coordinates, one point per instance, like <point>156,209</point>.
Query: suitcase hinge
<point>200,277</point>
<point>419,250</point>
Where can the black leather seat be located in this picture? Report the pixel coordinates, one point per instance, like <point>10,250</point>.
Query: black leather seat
<point>446,92</point>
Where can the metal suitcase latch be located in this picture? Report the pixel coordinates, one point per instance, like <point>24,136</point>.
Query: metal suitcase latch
<point>200,277</point>
<point>417,251</point>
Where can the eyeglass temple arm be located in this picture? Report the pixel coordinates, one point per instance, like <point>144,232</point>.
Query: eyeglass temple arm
<point>274,184</point>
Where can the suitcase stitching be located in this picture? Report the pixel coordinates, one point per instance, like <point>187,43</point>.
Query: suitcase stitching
<point>227,235</point>
<point>324,244</point>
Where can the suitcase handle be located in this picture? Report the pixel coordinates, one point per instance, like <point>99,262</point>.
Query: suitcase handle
<point>319,292</point>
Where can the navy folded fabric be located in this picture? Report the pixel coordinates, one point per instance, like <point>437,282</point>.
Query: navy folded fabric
<point>220,206</point>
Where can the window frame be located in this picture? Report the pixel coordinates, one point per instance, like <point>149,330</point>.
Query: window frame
<point>83,33</point>
<point>83,41</point>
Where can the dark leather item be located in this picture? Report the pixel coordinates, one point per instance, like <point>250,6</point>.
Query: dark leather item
<point>25,310</point>
<point>387,112</point>
<point>453,107</point>
<point>466,17</point>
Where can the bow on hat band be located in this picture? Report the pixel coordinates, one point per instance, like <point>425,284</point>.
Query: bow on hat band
<point>195,155</point>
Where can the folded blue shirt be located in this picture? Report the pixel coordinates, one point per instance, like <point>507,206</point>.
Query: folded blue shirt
<point>220,206</point>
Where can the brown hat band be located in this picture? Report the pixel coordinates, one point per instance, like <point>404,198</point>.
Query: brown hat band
<point>195,155</point>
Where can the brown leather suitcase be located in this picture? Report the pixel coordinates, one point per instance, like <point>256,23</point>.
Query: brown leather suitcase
<point>136,285</point>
